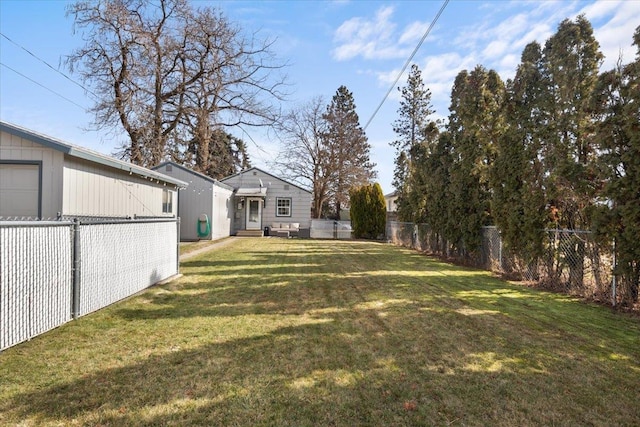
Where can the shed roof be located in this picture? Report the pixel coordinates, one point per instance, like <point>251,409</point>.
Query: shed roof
<point>86,154</point>
<point>198,174</point>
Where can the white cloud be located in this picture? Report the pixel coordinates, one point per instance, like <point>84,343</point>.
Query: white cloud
<point>615,34</point>
<point>376,38</point>
<point>495,49</point>
<point>539,32</point>
<point>445,67</point>
<point>413,33</point>
<point>368,38</point>
<point>600,9</point>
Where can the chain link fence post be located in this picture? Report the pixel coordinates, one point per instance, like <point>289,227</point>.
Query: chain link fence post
<point>178,246</point>
<point>75,272</point>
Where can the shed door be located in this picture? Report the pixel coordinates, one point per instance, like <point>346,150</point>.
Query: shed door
<point>19,190</point>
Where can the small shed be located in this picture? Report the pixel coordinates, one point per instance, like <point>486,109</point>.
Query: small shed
<point>261,200</point>
<point>42,177</point>
<point>204,196</point>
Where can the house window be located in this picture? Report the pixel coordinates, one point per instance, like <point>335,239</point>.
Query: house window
<point>167,201</point>
<point>283,206</point>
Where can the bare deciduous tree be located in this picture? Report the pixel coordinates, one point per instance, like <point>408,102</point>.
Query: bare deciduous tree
<point>305,156</point>
<point>170,74</point>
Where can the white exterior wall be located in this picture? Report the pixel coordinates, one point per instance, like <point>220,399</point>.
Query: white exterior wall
<point>15,148</point>
<point>391,203</point>
<point>201,197</point>
<point>300,199</point>
<point>91,189</point>
<point>222,212</point>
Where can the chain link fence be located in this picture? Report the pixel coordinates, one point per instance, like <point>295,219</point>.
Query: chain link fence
<point>53,271</point>
<point>119,259</point>
<point>35,279</point>
<point>572,261</point>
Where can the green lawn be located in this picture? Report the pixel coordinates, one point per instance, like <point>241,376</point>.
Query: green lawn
<point>293,332</point>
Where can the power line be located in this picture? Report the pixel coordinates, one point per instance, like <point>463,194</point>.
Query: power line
<point>44,87</point>
<point>406,64</point>
<point>48,65</point>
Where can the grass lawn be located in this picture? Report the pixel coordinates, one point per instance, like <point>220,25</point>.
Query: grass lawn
<point>293,332</point>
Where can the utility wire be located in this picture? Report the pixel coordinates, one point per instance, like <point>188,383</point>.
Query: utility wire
<point>44,87</point>
<point>48,65</point>
<point>406,64</point>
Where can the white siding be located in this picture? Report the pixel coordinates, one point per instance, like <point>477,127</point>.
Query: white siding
<point>300,199</point>
<point>91,189</point>
<point>13,147</point>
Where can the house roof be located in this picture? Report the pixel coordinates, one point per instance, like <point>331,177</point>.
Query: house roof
<point>390,195</point>
<point>198,174</point>
<point>86,154</point>
<point>266,173</point>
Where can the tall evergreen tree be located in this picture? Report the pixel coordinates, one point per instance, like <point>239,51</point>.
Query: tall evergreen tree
<point>416,132</point>
<point>475,124</point>
<point>617,100</point>
<point>348,148</point>
<point>518,200</point>
<point>571,59</point>
<point>571,62</point>
<point>438,209</point>
<point>368,211</point>
<point>226,155</point>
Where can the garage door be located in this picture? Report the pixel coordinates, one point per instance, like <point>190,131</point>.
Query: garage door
<point>19,190</point>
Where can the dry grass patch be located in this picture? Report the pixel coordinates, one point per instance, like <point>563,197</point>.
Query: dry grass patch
<point>304,333</point>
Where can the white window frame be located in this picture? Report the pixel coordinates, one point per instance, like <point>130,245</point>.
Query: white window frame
<point>167,201</point>
<point>286,207</point>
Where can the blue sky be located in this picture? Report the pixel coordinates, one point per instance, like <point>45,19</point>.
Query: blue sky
<point>360,44</point>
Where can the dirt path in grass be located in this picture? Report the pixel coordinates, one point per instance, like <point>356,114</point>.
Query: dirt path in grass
<point>213,245</point>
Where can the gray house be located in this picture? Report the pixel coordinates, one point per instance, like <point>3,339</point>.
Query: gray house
<point>263,201</point>
<point>42,177</point>
<point>243,204</point>
<point>205,207</point>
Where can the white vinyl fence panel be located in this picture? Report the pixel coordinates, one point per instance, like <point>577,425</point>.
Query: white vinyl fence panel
<point>119,259</point>
<point>35,279</point>
<point>330,229</point>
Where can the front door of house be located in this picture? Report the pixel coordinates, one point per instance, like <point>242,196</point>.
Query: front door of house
<point>254,214</point>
